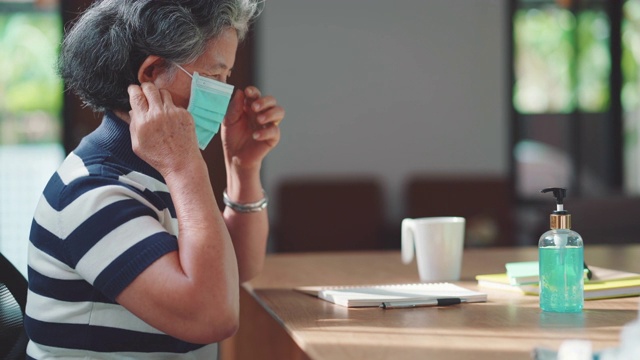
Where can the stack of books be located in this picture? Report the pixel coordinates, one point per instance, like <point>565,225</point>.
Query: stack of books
<point>523,277</point>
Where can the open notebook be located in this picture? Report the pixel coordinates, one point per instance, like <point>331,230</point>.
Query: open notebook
<point>375,295</point>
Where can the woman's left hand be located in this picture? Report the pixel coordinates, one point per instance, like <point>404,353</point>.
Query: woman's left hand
<point>250,128</point>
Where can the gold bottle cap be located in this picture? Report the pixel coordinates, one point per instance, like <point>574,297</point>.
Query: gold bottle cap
<point>560,221</point>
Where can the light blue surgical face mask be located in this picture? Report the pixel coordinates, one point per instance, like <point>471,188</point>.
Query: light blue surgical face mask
<point>208,105</point>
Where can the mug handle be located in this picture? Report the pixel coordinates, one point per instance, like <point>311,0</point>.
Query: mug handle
<point>407,243</point>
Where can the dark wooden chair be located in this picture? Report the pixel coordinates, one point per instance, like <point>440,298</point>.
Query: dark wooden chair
<point>13,300</point>
<point>329,215</point>
<point>484,201</point>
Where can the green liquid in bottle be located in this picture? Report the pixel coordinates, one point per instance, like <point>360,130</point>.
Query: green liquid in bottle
<point>561,278</point>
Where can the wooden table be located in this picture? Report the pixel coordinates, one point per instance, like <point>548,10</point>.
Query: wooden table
<point>279,323</point>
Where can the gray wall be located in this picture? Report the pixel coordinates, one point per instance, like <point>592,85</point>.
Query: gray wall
<point>386,89</point>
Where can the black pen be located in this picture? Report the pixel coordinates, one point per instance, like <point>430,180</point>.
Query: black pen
<point>588,271</point>
<point>420,303</point>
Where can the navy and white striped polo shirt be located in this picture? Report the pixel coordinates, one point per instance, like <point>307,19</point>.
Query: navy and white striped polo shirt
<point>103,218</point>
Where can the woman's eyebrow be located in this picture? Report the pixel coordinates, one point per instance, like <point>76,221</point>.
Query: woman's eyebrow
<point>219,65</point>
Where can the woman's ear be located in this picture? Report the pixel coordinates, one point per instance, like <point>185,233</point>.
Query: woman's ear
<point>150,69</point>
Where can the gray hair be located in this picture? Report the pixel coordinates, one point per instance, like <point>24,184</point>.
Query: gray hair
<point>103,51</point>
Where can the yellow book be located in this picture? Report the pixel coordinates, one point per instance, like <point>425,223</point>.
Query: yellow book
<point>501,282</point>
<point>605,284</point>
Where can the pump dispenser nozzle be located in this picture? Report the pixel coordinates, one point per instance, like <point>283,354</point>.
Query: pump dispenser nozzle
<point>560,219</point>
<point>559,194</point>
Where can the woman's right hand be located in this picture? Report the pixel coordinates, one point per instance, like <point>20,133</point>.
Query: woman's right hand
<point>162,134</point>
<point>191,294</point>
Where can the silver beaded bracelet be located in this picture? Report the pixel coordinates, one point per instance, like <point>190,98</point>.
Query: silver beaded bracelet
<point>248,207</point>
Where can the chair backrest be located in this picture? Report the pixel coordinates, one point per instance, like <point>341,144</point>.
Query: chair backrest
<point>484,201</point>
<point>329,215</point>
<point>13,300</point>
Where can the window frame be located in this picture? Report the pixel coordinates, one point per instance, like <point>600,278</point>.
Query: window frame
<point>613,131</point>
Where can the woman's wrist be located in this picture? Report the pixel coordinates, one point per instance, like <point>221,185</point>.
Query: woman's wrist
<point>244,185</point>
<point>189,172</point>
<point>250,207</point>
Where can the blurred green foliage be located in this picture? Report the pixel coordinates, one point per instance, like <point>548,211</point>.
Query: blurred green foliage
<point>593,61</point>
<point>630,96</point>
<point>31,93</point>
<point>631,55</point>
<point>561,60</point>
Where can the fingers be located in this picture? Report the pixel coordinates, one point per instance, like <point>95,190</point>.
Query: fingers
<point>146,96</point>
<point>267,133</point>
<point>252,92</point>
<point>165,95</point>
<point>264,112</point>
<point>269,116</point>
<point>263,103</point>
<point>266,108</point>
<point>272,115</point>
<point>152,93</point>
<point>137,99</point>
<point>236,107</point>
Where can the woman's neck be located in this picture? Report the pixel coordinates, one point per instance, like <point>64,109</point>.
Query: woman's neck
<point>123,115</point>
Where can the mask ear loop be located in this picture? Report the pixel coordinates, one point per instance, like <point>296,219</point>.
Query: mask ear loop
<point>185,71</point>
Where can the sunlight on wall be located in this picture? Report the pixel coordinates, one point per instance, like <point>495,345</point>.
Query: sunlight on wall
<point>25,171</point>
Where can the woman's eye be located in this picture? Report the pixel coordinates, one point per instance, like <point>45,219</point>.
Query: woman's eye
<point>219,77</point>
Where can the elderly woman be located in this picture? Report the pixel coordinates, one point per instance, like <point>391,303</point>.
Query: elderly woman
<point>130,256</point>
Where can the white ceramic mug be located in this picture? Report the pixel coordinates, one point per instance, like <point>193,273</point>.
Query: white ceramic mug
<point>437,243</point>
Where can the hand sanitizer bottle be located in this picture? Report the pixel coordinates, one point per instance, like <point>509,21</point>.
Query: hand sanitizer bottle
<point>561,262</point>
